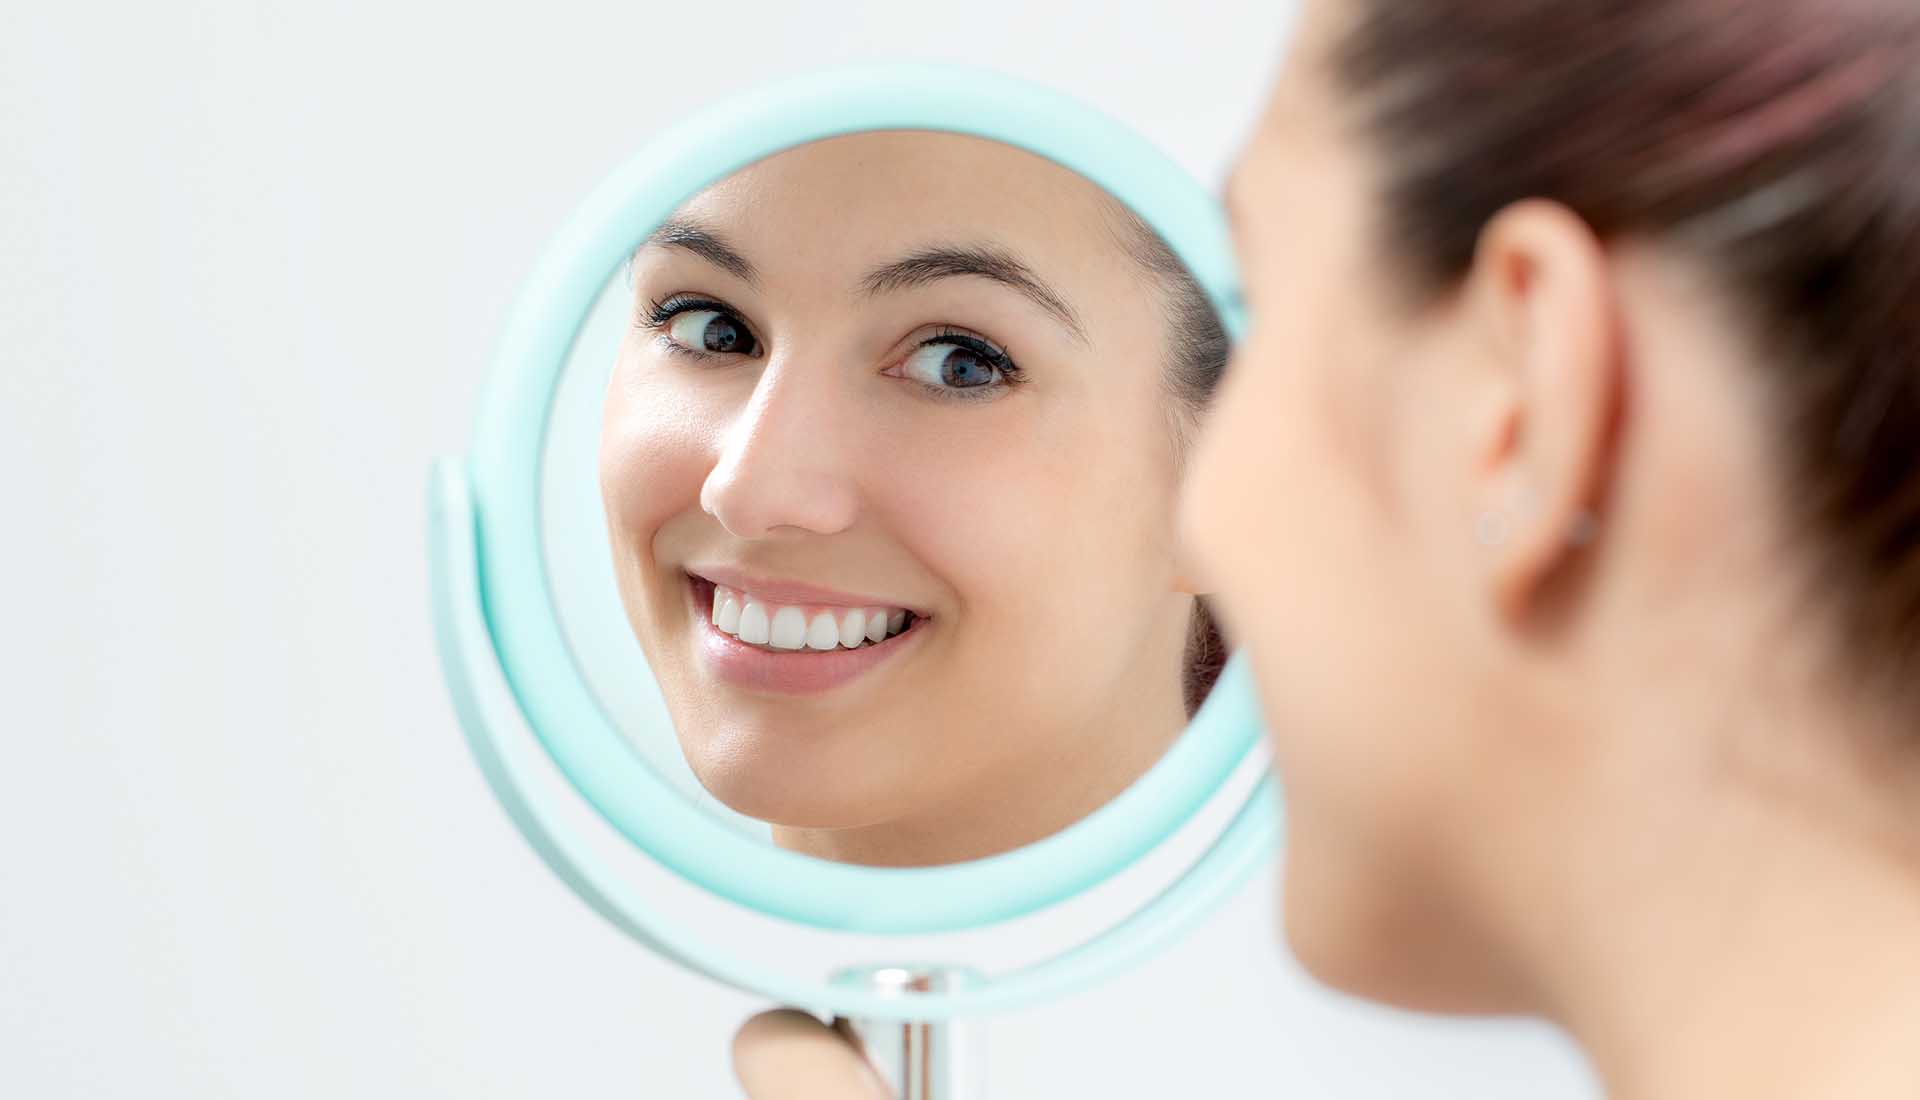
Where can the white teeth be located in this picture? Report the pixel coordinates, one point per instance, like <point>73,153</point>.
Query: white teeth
<point>753,624</point>
<point>823,632</point>
<point>786,627</point>
<point>789,629</point>
<point>853,628</point>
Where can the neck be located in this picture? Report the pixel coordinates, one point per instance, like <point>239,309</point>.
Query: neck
<point>1796,974</point>
<point>1743,918</point>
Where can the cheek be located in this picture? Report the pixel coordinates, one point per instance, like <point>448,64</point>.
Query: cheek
<point>657,445</point>
<point>1288,521</point>
<point>1308,542</point>
<point>1053,527</point>
<point>972,511</point>
<point>1269,496</point>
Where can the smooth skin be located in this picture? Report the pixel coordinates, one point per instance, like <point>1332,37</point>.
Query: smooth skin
<point>1032,522</point>
<point>1616,782</point>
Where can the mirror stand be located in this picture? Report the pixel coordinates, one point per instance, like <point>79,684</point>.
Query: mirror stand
<point>916,1059</point>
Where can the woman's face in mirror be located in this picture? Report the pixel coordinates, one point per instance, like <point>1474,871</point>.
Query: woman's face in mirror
<point>896,410</point>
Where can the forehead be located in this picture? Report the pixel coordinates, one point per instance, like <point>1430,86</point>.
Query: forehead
<point>819,218</point>
<point>1299,110</point>
<point>892,181</point>
<point>859,218</point>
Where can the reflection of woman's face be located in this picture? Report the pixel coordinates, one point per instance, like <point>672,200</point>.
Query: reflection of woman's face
<point>910,374</point>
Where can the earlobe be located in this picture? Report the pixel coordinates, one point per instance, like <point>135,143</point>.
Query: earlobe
<point>1543,284</point>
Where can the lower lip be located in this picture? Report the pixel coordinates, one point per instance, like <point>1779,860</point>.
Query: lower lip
<point>785,672</point>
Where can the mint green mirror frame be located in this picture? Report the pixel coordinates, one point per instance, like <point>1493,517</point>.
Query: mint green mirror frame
<point>503,649</point>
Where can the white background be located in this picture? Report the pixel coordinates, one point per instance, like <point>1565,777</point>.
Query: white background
<point>252,259</point>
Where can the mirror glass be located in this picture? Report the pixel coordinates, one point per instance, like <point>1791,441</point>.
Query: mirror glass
<point>859,498</point>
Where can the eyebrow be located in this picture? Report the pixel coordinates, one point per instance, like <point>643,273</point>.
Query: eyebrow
<point>936,262</point>
<point>917,268</point>
<point>705,243</point>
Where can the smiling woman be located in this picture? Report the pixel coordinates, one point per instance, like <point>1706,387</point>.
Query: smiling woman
<point>889,460</point>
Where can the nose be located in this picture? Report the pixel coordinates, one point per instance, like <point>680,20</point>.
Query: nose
<point>786,463</point>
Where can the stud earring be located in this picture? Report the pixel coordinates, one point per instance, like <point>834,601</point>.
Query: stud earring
<point>1495,524</point>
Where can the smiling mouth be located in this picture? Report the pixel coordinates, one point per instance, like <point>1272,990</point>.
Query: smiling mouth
<point>798,628</point>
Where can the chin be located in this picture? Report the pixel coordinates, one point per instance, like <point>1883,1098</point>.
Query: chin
<point>1327,936</point>
<point>776,804</point>
<point>771,783</point>
<point>1359,925</point>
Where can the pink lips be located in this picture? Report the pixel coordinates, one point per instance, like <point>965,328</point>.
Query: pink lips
<point>799,672</point>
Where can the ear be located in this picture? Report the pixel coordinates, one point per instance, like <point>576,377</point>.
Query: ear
<point>1541,291</point>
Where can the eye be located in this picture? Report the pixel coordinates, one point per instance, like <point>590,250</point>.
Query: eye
<point>951,366</point>
<point>958,365</point>
<point>710,330</point>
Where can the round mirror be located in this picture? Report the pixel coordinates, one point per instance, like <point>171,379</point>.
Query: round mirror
<point>820,511</point>
<point>875,444</point>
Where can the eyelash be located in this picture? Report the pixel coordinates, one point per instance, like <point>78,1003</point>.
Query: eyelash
<point>1011,376</point>
<point>660,312</point>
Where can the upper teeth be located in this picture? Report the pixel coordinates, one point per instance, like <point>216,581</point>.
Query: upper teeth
<point>785,626</point>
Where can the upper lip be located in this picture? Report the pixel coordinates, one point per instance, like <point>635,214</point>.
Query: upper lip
<point>782,591</point>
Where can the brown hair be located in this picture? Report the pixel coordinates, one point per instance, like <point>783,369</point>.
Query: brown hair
<point>1777,140</point>
<point>1197,357</point>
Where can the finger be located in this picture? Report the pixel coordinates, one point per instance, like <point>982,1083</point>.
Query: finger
<point>786,1054</point>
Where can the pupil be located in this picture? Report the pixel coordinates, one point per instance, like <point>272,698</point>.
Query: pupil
<point>723,335</point>
<point>964,368</point>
